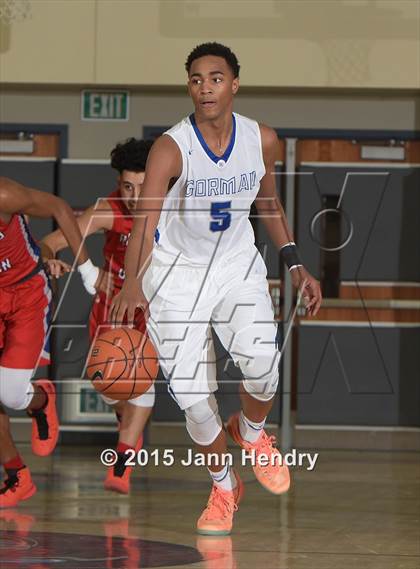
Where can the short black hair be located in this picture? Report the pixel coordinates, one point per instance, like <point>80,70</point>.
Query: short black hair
<point>214,48</point>
<point>131,155</point>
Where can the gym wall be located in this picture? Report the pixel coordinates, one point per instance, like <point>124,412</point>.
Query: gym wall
<point>344,43</point>
<point>58,105</point>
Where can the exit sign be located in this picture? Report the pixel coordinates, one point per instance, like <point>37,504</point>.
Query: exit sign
<point>105,105</point>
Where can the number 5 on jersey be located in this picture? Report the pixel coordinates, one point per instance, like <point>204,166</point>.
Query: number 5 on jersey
<point>221,216</point>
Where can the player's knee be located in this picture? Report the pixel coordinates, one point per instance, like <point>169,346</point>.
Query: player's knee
<point>261,375</point>
<point>147,399</point>
<point>15,394</point>
<point>17,399</point>
<point>203,421</point>
<point>16,391</point>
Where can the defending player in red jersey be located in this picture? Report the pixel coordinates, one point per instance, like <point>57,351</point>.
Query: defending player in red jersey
<point>113,215</point>
<point>25,305</point>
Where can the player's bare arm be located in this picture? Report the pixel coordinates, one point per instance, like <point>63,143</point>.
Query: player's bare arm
<point>163,164</point>
<point>98,217</point>
<point>15,198</point>
<point>272,213</point>
<point>91,221</point>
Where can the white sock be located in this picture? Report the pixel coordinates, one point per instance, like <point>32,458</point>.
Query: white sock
<point>225,478</point>
<point>249,430</point>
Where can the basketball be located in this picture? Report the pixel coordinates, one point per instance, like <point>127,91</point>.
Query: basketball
<point>122,363</point>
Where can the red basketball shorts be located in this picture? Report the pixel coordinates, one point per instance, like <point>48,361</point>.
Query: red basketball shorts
<point>25,311</point>
<point>99,316</point>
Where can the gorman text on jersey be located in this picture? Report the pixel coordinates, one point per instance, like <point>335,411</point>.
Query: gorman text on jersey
<point>221,186</point>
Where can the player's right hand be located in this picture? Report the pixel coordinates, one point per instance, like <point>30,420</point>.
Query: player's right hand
<point>56,268</point>
<point>127,302</point>
<point>309,288</point>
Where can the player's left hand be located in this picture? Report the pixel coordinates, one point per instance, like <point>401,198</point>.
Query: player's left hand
<point>309,288</point>
<point>56,268</point>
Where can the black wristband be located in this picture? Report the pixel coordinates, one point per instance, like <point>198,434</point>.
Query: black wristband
<point>290,255</point>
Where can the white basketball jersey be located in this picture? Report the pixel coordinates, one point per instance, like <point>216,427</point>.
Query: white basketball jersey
<point>206,213</point>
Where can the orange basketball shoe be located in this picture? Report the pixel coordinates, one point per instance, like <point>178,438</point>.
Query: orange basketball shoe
<point>45,424</point>
<point>118,476</point>
<point>275,476</point>
<point>17,488</point>
<point>217,517</point>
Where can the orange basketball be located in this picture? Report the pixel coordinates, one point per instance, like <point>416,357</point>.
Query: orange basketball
<point>122,363</point>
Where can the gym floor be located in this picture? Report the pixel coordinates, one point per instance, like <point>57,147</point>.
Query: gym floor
<point>355,509</point>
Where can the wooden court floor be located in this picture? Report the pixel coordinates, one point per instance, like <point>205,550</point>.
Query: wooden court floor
<point>356,509</point>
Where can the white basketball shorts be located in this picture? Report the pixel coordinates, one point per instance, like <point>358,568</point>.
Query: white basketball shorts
<point>231,296</point>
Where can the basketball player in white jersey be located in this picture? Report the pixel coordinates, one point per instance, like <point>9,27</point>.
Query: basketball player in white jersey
<point>206,271</point>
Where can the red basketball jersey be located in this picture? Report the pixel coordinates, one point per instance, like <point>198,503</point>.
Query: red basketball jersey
<point>116,239</point>
<point>19,253</point>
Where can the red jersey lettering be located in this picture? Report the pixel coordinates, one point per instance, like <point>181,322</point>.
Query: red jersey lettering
<point>19,252</point>
<point>116,239</point>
